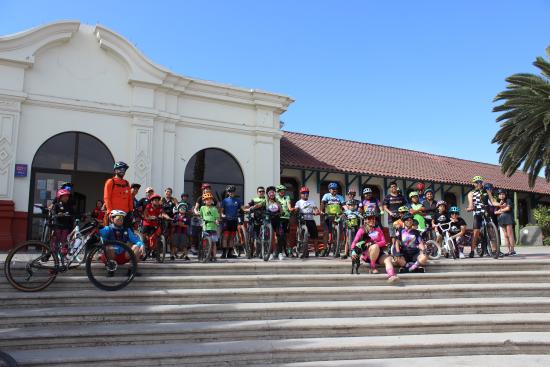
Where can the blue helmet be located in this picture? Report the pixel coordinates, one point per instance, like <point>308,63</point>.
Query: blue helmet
<point>332,185</point>
<point>120,166</point>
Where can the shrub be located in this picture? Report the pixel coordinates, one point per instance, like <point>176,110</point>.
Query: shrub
<point>542,215</point>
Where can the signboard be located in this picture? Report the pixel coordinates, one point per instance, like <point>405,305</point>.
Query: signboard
<point>21,170</point>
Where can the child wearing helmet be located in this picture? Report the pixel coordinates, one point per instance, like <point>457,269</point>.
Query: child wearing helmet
<point>210,217</point>
<point>417,210</point>
<point>331,207</point>
<point>180,223</point>
<point>152,214</point>
<point>398,223</point>
<point>63,219</point>
<point>117,231</point>
<point>442,217</point>
<point>457,230</point>
<point>409,247</point>
<point>307,209</point>
<point>352,224</point>
<point>349,196</point>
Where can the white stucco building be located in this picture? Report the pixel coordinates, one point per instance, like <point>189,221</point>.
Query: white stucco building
<point>68,77</point>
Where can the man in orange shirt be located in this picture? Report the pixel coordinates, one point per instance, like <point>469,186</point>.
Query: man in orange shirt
<point>116,194</point>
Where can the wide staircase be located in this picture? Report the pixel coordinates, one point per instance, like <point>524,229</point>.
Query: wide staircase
<point>479,312</point>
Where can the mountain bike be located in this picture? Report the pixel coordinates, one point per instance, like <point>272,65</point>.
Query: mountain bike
<point>489,240</point>
<point>33,265</point>
<point>351,226</point>
<point>336,236</point>
<point>433,249</point>
<point>205,247</point>
<point>250,236</point>
<point>448,245</point>
<point>155,244</point>
<point>266,235</point>
<point>302,237</point>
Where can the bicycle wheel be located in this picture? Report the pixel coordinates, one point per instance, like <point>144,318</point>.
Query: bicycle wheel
<point>207,249</point>
<point>433,250</point>
<point>111,266</point>
<point>266,235</point>
<point>160,249</point>
<point>340,238</point>
<point>6,360</point>
<point>31,266</point>
<point>249,243</point>
<point>493,239</point>
<point>451,247</point>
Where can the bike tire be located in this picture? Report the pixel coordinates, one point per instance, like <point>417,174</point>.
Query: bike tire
<point>433,250</point>
<point>207,246</point>
<point>13,269</point>
<point>103,259</point>
<point>266,241</point>
<point>493,238</point>
<point>249,244</point>
<point>452,249</point>
<point>479,247</point>
<point>160,249</point>
<point>7,361</point>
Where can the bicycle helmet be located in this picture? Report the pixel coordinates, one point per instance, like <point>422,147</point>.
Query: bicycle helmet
<point>403,209</point>
<point>413,193</point>
<point>62,192</point>
<point>280,188</point>
<point>501,191</point>
<point>149,189</point>
<point>351,202</point>
<point>441,202</point>
<point>477,179</point>
<point>67,186</point>
<point>205,186</point>
<point>407,217</point>
<point>333,186</point>
<point>154,197</point>
<point>420,186</point>
<point>120,166</point>
<point>304,189</point>
<point>117,213</point>
<point>230,188</point>
<point>270,188</point>
<point>367,190</point>
<point>488,186</point>
<point>454,209</point>
<point>352,191</point>
<point>370,213</point>
<point>207,196</point>
<point>182,205</point>
<point>428,190</point>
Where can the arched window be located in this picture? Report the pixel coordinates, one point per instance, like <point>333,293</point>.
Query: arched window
<point>450,198</point>
<point>216,167</point>
<point>74,157</point>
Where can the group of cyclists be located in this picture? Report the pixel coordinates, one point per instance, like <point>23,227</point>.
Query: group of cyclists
<point>352,226</point>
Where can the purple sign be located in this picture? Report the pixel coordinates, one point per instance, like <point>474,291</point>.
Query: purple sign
<point>21,170</point>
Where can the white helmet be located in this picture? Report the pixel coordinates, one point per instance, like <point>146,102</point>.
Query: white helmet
<point>367,190</point>
<point>116,213</point>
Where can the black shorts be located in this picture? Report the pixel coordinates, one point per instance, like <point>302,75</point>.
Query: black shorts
<point>411,255</point>
<point>231,225</point>
<point>284,223</point>
<point>312,229</point>
<point>478,219</point>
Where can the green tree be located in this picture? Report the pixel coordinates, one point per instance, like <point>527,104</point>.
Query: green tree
<point>524,135</point>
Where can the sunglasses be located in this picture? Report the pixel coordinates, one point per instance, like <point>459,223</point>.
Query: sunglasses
<point>261,191</point>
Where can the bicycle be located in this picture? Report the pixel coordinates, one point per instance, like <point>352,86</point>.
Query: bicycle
<point>335,233</point>
<point>266,235</point>
<point>155,244</point>
<point>302,236</point>
<point>351,225</point>
<point>449,246</point>
<point>32,266</point>
<point>7,361</point>
<point>433,249</point>
<point>250,237</point>
<point>207,241</point>
<point>489,237</point>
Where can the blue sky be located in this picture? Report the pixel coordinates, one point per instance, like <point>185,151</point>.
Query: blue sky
<point>412,74</point>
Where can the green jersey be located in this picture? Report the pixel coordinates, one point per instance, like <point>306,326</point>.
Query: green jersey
<point>284,204</point>
<point>419,217</point>
<point>209,215</point>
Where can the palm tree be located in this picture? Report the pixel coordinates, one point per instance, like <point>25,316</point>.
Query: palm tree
<point>524,135</point>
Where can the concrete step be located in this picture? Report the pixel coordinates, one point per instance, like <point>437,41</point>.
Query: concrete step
<point>324,266</point>
<point>521,360</point>
<point>133,295</point>
<point>69,282</point>
<point>17,318</point>
<point>254,352</point>
<point>216,331</point>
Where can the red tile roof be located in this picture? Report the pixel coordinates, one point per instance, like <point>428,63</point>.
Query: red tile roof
<point>314,152</point>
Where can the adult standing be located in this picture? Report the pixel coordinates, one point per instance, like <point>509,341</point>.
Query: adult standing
<point>169,204</point>
<point>116,193</point>
<point>285,202</point>
<point>230,208</point>
<point>505,219</point>
<point>392,202</point>
<point>478,200</point>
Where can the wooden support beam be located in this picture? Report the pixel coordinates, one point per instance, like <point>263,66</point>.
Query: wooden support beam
<point>306,177</point>
<point>363,183</point>
<point>385,188</point>
<point>319,179</point>
<point>348,182</point>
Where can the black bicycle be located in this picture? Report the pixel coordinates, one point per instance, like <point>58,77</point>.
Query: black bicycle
<point>33,265</point>
<point>302,237</point>
<point>489,241</point>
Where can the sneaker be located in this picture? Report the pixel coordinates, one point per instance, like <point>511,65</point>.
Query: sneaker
<point>375,271</point>
<point>281,257</point>
<point>471,256</point>
<point>172,257</point>
<point>413,267</point>
<point>271,257</point>
<point>344,257</point>
<point>316,253</point>
<point>186,258</point>
<point>393,279</point>
<point>404,270</point>
<point>461,256</point>
<point>231,254</point>
<point>337,256</point>
<point>513,253</point>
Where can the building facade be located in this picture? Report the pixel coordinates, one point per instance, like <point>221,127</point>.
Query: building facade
<point>75,98</point>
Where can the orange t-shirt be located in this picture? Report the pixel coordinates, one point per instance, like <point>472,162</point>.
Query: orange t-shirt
<point>117,195</point>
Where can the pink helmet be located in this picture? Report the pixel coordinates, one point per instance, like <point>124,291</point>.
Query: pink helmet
<point>62,192</point>
<point>441,202</point>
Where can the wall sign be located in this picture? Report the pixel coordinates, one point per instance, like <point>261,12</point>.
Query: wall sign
<point>21,170</point>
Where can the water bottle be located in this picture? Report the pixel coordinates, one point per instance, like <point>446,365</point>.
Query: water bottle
<point>76,245</point>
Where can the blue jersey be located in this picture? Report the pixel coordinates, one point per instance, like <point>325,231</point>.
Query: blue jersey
<point>122,234</point>
<point>231,207</point>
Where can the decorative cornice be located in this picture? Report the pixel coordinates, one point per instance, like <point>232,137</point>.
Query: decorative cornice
<point>21,48</point>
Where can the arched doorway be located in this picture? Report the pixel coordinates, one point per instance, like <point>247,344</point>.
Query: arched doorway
<point>216,167</point>
<point>73,157</point>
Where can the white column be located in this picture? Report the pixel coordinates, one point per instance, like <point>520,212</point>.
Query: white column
<point>169,152</point>
<point>10,112</point>
<point>141,150</point>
